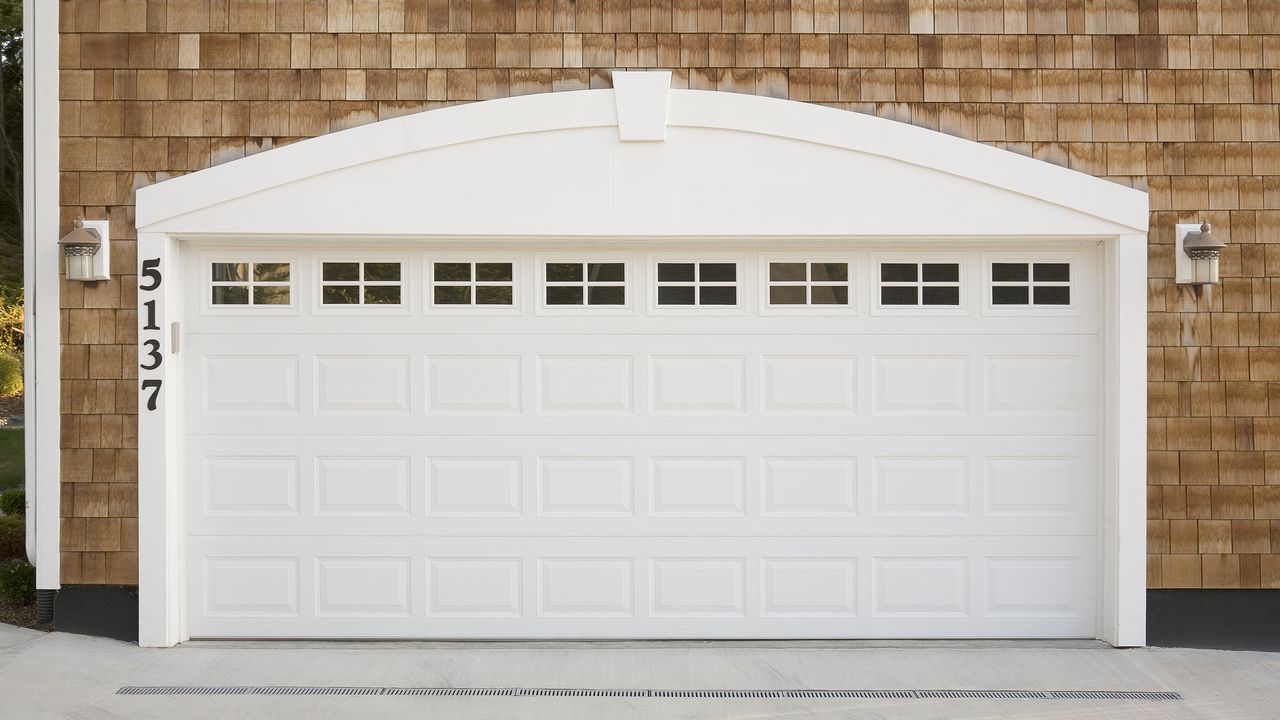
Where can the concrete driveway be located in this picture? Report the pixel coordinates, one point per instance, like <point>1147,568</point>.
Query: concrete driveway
<point>71,676</point>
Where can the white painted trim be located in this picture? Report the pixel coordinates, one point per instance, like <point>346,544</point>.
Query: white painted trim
<point>1124,562</point>
<point>168,213</point>
<point>160,537</point>
<point>641,98</point>
<point>43,314</point>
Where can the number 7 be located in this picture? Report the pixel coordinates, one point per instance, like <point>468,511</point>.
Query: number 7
<point>154,387</point>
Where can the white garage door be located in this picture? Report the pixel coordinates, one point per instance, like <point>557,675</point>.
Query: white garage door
<point>725,441</point>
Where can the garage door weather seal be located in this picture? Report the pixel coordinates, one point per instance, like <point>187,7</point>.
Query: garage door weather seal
<point>643,693</point>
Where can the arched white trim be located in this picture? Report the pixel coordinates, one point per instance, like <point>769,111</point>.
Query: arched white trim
<point>634,162</point>
<point>555,163</point>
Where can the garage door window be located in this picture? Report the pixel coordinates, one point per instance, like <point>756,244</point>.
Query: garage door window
<point>1022,283</point>
<point>360,283</point>
<point>692,284</point>
<point>472,283</point>
<point>250,283</point>
<point>808,283</point>
<point>921,284</point>
<point>585,283</point>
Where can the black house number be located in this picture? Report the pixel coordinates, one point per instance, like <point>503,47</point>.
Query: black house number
<point>149,281</point>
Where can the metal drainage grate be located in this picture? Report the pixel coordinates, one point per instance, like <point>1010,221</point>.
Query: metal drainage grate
<point>624,693</point>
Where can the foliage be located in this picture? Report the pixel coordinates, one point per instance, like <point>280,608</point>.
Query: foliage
<point>12,457</point>
<point>10,148</point>
<point>10,374</point>
<point>18,581</point>
<point>11,334</point>
<point>13,502</point>
<point>13,537</point>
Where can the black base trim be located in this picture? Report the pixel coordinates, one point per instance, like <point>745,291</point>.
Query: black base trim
<point>1217,619</point>
<point>104,610</point>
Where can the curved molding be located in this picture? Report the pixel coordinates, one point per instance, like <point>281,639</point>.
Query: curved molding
<point>762,166</point>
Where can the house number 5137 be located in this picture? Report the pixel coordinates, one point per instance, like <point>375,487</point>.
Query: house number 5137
<point>149,282</point>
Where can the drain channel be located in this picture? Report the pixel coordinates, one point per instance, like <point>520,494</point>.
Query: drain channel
<point>641,693</point>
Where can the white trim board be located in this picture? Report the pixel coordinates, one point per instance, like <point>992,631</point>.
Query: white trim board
<point>558,167</point>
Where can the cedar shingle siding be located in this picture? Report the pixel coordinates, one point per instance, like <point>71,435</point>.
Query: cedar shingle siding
<point>1176,97</point>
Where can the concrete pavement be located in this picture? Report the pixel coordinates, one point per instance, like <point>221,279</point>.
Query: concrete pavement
<point>71,676</point>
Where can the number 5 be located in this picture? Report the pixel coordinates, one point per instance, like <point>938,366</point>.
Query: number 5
<point>151,271</point>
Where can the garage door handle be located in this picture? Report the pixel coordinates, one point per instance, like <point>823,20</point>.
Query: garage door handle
<point>175,334</point>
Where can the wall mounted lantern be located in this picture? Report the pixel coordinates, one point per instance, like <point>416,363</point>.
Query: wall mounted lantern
<point>88,250</point>
<point>1196,255</point>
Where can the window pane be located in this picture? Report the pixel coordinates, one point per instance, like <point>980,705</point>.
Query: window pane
<point>271,272</point>
<point>493,295</point>
<point>493,272</point>
<point>898,272</point>
<point>678,295</point>
<point>787,295</point>
<point>1059,295</point>
<point>898,296</point>
<point>271,295</point>
<point>786,272</point>
<point>607,295</point>
<point>1009,272</point>
<point>340,295</point>
<point>232,295</point>
<point>941,295</point>
<point>830,295</point>
<point>606,272</point>
<point>382,271</point>
<point>564,295</point>
<point>341,271</point>
<point>718,295</point>
<point>452,295</point>
<point>230,272</point>
<point>1009,295</point>
<point>1053,272</point>
<point>941,272</point>
<point>564,272</point>
<point>382,295</point>
<point>830,271</point>
<point>675,272</point>
<point>718,272</point>
<point>453,272</point>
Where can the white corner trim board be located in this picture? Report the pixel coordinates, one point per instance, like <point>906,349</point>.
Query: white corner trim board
<point>594,216</point>
<point>41,260</point>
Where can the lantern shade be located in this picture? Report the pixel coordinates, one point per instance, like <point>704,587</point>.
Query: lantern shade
<point>1202,245</point>
<point>84,249</point>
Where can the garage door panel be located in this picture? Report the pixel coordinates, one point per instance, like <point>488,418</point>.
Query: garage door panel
<point>644,471</point>
<point>659,486</point>
<point>654,587</point>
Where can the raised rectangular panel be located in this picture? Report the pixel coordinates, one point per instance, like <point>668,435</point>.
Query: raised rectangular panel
<point>796,385</point>
<point>697,486</point>
<point>920,385</point>
<point>1032,586</point>
<point>251,385</point>
<point>1035,485</point>
<point>362,385</point>
<point>473,486</point>
<point>586,486</point>
<point>249,485</point>
<point>362,587</point>
<point>810,486</point>
<point>923,587</point>
<point>481,385</point>
<point>697,586</point>
<point>697,385</point>
<point>251,586</point>
<point>586,587</point>
<point>585,385</point>
<point>1036,385</point>
<point>807,587</point>
<point>921,485</point>
<point>362,486</point>
<point>474,587</point>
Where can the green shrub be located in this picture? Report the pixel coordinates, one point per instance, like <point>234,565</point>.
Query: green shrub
<point>13,537</point>
<point>13,502</point>
<point>10,374</point>
<point>18,581</point>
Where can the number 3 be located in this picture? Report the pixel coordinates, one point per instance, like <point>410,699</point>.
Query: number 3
<point>153,352</point>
